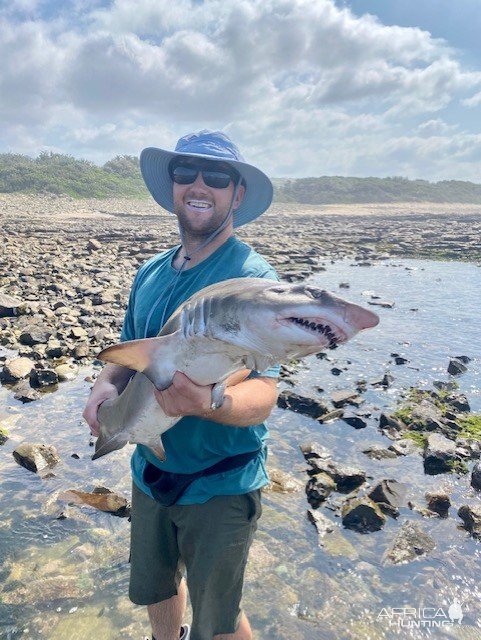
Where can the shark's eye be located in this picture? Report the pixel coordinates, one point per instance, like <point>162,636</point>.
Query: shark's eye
<point>278,289</point>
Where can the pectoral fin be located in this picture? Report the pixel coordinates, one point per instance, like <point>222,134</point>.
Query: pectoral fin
<point>150,356</point>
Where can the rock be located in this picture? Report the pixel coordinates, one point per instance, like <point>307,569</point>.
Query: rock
<point>354,420</point>
<point>404,447</point>
<point>471,517</point>
<point>35,335</point>
<point>336,371</point>
<point>389,494</point>
<point>410,543</point>
<point>386,420</point>
<point>340,398</point>
<point>344,285</point>
<point>400,360</point>
<point>331,415</point>
<point>17,369</point>
<point>346,478</point>
<point>301,404</point>
<point>456,367</point>
<point>281,482</point>
<point>9,306</point>
<point>381,303</point>
<point>445,386</point>
<point>386,381</point>
<point>94,244</point>
<point>36,457</point>
<point>321,522</point>
<point>427,416</point>
<point>362,515</point>
<point>476,476</point>
<point>66,371</point>
<point>101,498</point>
<point>376,452</point>
<point>3,435</point>
<point>314,450</point>
<point>24,392</point>
<point>439,454</point>
<point>459,402</point>
<point>439,502</point>
<point>318,489</point>
<point>43,378</point>
<point>463,359</point>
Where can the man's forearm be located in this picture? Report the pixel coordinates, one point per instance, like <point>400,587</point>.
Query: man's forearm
<point>247,403</point>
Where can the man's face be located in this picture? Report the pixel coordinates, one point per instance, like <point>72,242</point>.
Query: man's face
<point>199,208</point>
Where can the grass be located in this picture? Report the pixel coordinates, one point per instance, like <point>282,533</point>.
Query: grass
<point>421,439</point>
<point>470,427</point>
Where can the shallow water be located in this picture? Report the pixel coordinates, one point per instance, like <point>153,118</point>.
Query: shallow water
<point>67,579</point>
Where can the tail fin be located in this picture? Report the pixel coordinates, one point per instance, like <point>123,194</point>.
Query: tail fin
<point>106,444</point>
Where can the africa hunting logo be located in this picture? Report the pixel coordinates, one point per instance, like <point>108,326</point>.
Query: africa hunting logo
<point>422,617</point>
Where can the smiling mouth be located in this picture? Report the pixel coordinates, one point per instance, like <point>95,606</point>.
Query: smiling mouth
<point>314,325</point>
<point>199,205</point>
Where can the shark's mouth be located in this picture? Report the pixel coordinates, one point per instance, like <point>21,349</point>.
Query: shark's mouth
<point>313,325</point>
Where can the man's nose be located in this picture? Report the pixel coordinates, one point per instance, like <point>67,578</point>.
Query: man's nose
<point>199,181</point>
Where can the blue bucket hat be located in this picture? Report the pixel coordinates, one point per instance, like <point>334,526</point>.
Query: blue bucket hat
<point>211,145</point>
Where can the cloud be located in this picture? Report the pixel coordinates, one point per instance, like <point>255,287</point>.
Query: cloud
<point>288,78</point>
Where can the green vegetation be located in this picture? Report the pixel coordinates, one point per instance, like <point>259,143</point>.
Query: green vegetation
<point>348,190</point>
<point>421,439</point>
<point>404,414</point>
<point>470,427</point>
<point>63,174</point>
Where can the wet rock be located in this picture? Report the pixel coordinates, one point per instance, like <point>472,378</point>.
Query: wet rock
<point>427,416</point>
<point>410,543</point>
<point>24,392</point>
<point>381,303</point>
<point>343,397</point>
<point>388,421</point>
<point>3,435</point>
<point>471,517</point>
<point>471,447</point>
<point>94,245</point>
<point>439,502</point>
<point>43,378</point>
<point>321,522</point>
<point>9,306</point>
<point>346,478</point>
<point>314,450</point>
<point>376,452</point>
<point>318,489</point>
<point>386,381</point>
<point>36,457</point>
<point>404,447</point>
<point>282,482</point>
<point>331,415</point>
<point>445,386</point>
<point>354,420</point>
<point>476,476</point>
<point>336,371</point>
<point>456,367</point>
<point>301,404</point>
<point>459,402</point>
<point>439,455</point>
<point>362,515</point>
<point>100,498</point>
<point>66,371</point>
<point>17,369</point>
<point>389,494</point>
<point>463,359</point>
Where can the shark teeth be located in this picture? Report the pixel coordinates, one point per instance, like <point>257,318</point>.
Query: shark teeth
<point>326,330</point>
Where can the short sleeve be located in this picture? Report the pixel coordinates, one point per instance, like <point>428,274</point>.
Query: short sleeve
<point>128,327</point>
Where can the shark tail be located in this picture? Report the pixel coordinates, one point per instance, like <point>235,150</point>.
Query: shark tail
<point>106,444</point>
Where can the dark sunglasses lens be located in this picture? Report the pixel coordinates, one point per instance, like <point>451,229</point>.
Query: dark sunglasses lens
<point>184,175</point>
<point>216,179</point>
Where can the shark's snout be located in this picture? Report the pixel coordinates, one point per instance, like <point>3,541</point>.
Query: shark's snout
<point>360,318</point>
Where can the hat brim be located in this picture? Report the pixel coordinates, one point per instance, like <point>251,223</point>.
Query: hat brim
<point>154,165</point>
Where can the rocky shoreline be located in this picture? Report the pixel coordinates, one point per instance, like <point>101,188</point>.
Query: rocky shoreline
<point>67,265</point>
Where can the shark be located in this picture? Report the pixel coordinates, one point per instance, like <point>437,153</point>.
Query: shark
<point>236,324</point>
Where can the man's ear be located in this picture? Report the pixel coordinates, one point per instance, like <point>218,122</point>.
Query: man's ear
<point>240,196</point>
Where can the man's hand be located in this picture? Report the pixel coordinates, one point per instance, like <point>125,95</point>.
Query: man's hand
<point>101,392</point>
<point>185,398</point>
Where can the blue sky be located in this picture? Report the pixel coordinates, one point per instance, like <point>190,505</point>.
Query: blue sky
<point>305,87</point>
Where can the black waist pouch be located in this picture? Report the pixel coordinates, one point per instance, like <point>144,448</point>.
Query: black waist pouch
<point>167,487</point>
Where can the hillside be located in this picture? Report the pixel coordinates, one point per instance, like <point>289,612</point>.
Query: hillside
<point>120,177</point>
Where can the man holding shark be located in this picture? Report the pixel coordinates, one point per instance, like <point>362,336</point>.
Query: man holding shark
<point>208,186</point>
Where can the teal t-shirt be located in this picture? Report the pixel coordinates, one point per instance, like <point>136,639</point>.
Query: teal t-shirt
<point>193,443</point>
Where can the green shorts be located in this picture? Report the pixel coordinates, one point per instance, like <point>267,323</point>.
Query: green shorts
<point>210,540</point>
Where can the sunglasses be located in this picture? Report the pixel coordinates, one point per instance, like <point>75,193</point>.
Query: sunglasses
<point>187,174</point>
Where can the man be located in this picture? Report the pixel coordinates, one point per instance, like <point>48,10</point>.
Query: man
<point>211,190</point>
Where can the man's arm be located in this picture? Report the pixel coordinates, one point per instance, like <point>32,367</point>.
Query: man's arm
<point>245,404</point>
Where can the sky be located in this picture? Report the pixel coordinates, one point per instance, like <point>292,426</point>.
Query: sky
<point>304,87</point>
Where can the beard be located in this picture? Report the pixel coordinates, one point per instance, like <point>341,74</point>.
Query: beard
<point>196,229</point>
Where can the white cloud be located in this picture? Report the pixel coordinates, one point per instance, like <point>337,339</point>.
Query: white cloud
<point>288,78</point>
